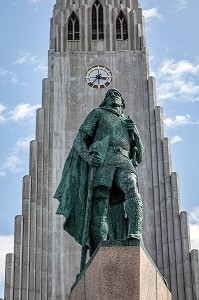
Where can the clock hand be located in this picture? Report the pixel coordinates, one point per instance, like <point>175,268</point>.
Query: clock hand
<point>98,77</point>
<point>95,80</point>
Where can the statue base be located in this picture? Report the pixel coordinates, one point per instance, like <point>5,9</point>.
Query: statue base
<point>120,272</point>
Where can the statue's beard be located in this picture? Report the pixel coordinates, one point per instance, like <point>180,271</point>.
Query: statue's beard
<point>113,104</point>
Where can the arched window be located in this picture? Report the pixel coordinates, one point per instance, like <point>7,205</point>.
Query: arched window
<point>97,21</point>
<point>121,27</point>
<point>73,27</point>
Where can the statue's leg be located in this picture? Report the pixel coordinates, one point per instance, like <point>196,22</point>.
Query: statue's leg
<point>127,182</point>
<point>99,224</point>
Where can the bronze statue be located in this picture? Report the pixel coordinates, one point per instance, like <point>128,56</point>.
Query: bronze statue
<point>99,192</point>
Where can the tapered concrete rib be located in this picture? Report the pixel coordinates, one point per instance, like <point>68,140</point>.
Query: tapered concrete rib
<point>51,212</point>
<point>177,234</point>
<point>32,248</point>
<point>107,21</point>
<point>159,136</point>
<point>26,235</point>
<point>148,198</point>
<point>186,254</point>
<point>169,209</point>
<point>195,273</point>
<point>62,32</point>
<point>156,195</point>
<point>84,30</point>
<point>114,14</point>
<point>18,236</point>
<point>133,31</point>
<point>89,41</point>
<point>143,32</point>
<point>39,223</point>
<point>9,277</point>
<point>44,263</point>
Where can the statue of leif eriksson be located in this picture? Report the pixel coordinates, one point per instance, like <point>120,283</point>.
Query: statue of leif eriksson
<point>99,192</point>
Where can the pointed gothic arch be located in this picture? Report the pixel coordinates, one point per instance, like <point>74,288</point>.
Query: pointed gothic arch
<point>97,21</point>
<point>73,27</point>
<point>121,27</point>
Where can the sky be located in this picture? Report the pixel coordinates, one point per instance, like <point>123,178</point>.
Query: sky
<point>173,44</point>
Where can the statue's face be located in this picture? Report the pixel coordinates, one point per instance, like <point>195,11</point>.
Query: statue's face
<point>113,98</point>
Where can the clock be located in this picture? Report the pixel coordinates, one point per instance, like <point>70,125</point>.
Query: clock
<point>98,77</point>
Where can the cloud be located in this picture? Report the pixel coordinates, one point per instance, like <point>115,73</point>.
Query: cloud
<point>27,58</point>
<point>176,139</point>
<point>14,161</point>
<point>23,111</point>
<point>2,117</point>
<point>24,142</point>
<point>7,245</point>
<point>2,108</point>
<point>3,72</point>
<point>177,81</point>
<point>177,121</point>
<point>194,227</point>
<point>170,67</point>
<point>33,1</point>
<point>6,74</point>
<point>182,4</point>
<point>194,215</point>
<point>12,164</point>
<point>152,13</point>
<point>41,68</point>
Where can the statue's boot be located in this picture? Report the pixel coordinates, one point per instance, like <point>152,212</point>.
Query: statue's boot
<point>133,208</point>
<point>99,229</point>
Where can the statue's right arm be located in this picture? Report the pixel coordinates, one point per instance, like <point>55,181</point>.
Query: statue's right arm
<point>82,149</point>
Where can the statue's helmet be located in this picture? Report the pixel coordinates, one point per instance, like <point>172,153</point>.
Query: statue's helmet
<point>109,93</point>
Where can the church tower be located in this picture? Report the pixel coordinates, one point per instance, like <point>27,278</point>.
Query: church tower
<point>89,35</point>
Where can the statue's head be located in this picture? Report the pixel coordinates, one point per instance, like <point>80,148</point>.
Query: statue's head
<point>113,98</point>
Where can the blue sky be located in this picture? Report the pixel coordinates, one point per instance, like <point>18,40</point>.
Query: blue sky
<point>171,28</point>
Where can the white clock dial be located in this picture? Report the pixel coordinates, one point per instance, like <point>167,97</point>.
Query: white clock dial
<point>98,77</point>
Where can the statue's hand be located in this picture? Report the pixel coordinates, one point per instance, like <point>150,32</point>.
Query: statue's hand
<point>94,160</point>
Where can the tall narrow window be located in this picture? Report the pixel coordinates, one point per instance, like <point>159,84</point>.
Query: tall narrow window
<point>97,21</point>
<point>73,27</point>
<point>121,27</point>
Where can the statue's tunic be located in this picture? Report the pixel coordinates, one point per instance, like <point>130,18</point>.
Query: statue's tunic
<point>100,124</point>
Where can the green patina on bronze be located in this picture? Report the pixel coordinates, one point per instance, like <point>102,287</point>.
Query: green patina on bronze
<point>99,191</point>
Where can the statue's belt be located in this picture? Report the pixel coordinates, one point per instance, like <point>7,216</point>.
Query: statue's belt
<point>118,150</point>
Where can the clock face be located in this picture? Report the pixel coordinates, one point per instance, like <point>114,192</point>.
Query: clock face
<point>98,77</point>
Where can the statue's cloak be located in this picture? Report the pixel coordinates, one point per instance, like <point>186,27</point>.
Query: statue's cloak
<point>72,195</point>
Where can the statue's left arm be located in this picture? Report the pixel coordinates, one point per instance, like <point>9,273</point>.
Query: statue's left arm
<point>140,148</point>
<point>136,139</point>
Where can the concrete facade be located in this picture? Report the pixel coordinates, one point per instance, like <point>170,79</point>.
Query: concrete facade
<point>46,259</point>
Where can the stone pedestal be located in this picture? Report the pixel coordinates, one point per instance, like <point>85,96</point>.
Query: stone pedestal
<point>120,273</point>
